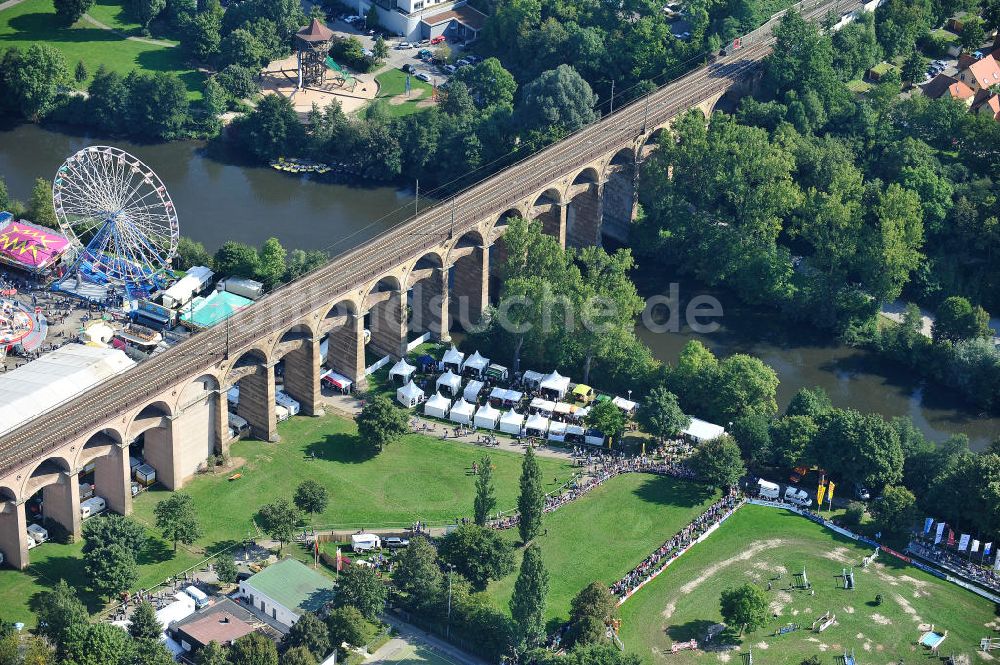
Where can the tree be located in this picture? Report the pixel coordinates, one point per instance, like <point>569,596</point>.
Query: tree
<point>718,462</point>
<point>80,73</point>
<point>176,516</point>
<point>745,606</point>
<point>812,402</point>
<point>380,50</point>
<point>381,423</point>
<point>418,574</point>
<point>236,259</point>
<point>861,447</point>
<point>70,11</point>
<point>212,654</point>
<point>144,623</point>
<point>973,34</point>
<point>272,129</point>
<point>57,611</point>
<point>144,11</point>
<point>346,625</point>
<point>112,529</point>
<point>371,18</point>
<point>753,435</point>
<point>791,438</point>
<point>531,500</point>
<point>32,78</point>
<point>489,83</point>
<point>40,207</point>
<point>191,253</point>
<point>253,649</point>
<point>151,651</point>
<point>98,644</point>
<point>527,604</point>
<point>214,100</point>
<point>360,587</point>
<point>895,510</point>
<point>271,266</point>
<point>111,570</point>
<point>892,246</point>
<point>606,418</point>
<point>4,195</point>
<point>914,67</point>
<point>486,499</point>
<point>226,569</point>
<point>744,385</point>
<point>593,608</point>
<point>311,497</point>
<point>956,320</point>
<point>479,553</point>
<point>238,81</point>
<point>310,633</point>
<point>278,520</point>
<point>299,655</point>
<point>202,34</point>
<point>660,414</point>
<point>156,105</point>
<point>559,98</point>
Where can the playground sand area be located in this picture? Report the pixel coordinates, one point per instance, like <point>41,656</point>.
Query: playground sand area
<point>281,77</point>
<point>766,546</point>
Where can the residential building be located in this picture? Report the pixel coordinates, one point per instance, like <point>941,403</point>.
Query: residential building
<point>285,590</point>
<point>223,622</point>
<point>415,20</point>
<point>987,103</point>
<point>943,85</point>
<point>980,74</point>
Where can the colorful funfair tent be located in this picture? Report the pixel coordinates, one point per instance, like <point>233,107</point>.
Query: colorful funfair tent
<point>28,247</point>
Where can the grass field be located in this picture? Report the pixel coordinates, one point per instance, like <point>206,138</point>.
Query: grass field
<point>392,83</point>
<point>755,545</point>
<point>34,21</point>
<point>415,654</point>
<point>420,478</point>
<point>603,535</point>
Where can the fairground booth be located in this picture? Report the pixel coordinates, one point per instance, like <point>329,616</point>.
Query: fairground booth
<point>30,248</point>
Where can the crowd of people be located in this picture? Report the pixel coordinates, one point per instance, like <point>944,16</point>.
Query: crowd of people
<point>958,564</point>
<point>58,313</point>
<point>676,545</point>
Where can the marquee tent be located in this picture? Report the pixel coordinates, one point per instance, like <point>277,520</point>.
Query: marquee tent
<point>28,246</point>
<point>700,430</point>
<point>472,390</point>
<point>337,381</point>
<point>555,385</point>
<point>511,422</point>
<point>475,364</point>
<point>542,406</point>
<point>453,359</point>
<point>574,433</point>
<point>504,397</point>
<point>487,417</point>
<point>437,406</point>
<point>410,395</point>
<point>537,425</point>
<point>557,431</point>
<point>402,371</point>
<point>593,438</point>
<point>564,409</point>
<point>625,405</point>
<point>461,412</point>
<point>580,413</point>
<point>451,381</point>
<point>532,379</point>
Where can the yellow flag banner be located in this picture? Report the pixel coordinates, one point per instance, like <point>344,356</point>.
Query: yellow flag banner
<point>820,491</point>
<point>829,492</point>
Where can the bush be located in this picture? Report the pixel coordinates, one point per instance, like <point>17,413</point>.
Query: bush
<point>238,81</point>
<point>855,513</point>
<point>878,599</point>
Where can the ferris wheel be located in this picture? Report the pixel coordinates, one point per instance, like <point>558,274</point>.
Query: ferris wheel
<point>118,213</point>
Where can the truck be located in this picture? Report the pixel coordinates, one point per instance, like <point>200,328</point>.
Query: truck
<point>92,507</point>
<point>199,597</point>
<point>365,542</point>
<point>240,286</point>
<point>187,287</point>
<point>797,497</point>
<point>767,490</point>
<point>239,425</point>
<point>38,533</point>
<point>282,398</point>
<point>280,413</point>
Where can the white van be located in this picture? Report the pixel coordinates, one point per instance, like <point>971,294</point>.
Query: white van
<point>38,532</point>
<point>768,490</point>
<point>280,413</point>
<point>282,398</point>
<point>199,597</point>
<point>238,425</point>
<point>92,507</point>
<point>798,497</point>
<point>365,542</point>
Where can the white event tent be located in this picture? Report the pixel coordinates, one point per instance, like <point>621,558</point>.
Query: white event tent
<point>487,417</point>
<point>542,406</point>
<point>453,359</point>
<point>701,430</point>
<point>451,381</point>
<point>532,379</point>
<point>472,390</point>
<point>437,406</point>
<point>537,425</point>
<point>409,395</point>
<point>476,363</point>
<point>511,422</point>
<point>555,385</point>
<point>402,370</point>
<point>461,412</point>
<point>628,406</point>
<point>557,431</point>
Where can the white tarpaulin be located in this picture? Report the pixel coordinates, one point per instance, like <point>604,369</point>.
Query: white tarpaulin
<point>625,405</point>
<point>461,412</point>
<point>476,363</point>
<point>410,395</point>
<point>556,384</point>
<point>453,359</point>
<point>700,430</point>
<point>487,417</point>
<point>542,405</point>
<point>53,378</point>
<point>437,406</point>
<point>451,381</point>
<point>557,431</point>
<point>511,422</point>
<point>472,390</point>
<point>403,370</point>
<point>537,425</point>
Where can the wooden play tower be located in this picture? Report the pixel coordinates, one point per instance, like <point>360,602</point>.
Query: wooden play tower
<point>312,44</point>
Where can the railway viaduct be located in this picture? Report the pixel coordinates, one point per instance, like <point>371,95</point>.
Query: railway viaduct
<point>437,264</point>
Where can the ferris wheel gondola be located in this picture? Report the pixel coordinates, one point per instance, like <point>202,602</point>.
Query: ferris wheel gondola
<point>118,213</point>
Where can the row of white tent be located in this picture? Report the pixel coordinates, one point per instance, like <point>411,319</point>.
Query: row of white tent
<point>511,422</point>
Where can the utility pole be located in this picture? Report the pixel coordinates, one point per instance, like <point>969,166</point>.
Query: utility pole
<point>451,233</point>
<point>451,567</point>
<point>645,114</point>
<point>416,199</point>
<point>611,101</point>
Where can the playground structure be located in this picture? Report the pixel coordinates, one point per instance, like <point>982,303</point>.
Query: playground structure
<point>849,658</point>
<point>16,323</point>
<point>824,622</point>
<point>784,630</point>
<point>312,45</point>
<point>352,91</point>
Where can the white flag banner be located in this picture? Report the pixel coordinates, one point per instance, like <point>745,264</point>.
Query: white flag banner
<point>963,542</point>
<point>940,533</point>
<point>987,547</point>
<point>975,546</point>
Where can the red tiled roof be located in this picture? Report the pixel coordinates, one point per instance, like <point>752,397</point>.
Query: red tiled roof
<point>942,84</point>
<point>985,71</point>
<point>221,627</point>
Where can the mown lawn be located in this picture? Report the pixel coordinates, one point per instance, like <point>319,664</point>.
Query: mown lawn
<point>34,21</point>
<point>603,535</point>
<point>756,545</point>
<point>392,83</point>
<point>420,478</point>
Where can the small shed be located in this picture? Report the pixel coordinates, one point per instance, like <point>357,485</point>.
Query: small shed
<point>472,390</point>
<point>461,412</point>
<point>409,395</point>
<point>453,359</point>
<point>511,422</point>
<point>537,425</point>
<point>475,365</point>
<point>402,371</point>
<point>451,382</point>
<point>555,385</point>
<point>701,430</point>
<point>487,417</point>
<point>437,406</point>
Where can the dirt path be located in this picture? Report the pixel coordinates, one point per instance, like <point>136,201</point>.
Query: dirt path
<point>97,24</point>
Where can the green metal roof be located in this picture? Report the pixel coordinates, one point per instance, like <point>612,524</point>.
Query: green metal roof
<point>294,585</point>
<point>219,306</point>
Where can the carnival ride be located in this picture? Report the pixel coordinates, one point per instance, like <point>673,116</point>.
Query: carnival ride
<point>117,213</point>
<point>17,323</point>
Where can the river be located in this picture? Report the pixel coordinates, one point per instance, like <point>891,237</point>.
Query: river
<point>222,199</point>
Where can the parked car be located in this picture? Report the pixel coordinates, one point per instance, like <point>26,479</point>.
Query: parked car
<point>402,46</point>
<point>861,492</point>
<point>424,76</point>
<point>408,69</point>
<point>978,55</point>
<point>437,40</point>
<point>463,63</point>
<point>450,69</point>
<point>473,59</point>
<point>798,497</point>
<point>395,543</point>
